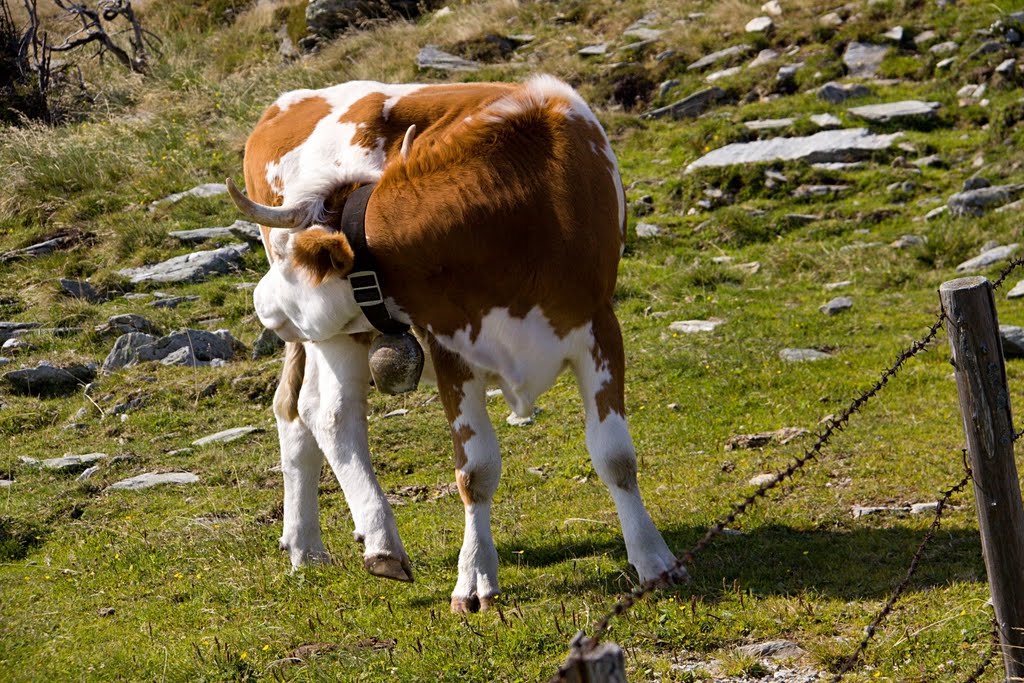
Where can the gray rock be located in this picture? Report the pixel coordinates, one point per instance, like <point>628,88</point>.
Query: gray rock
<point>9,329</point>
<point>805,191</point>
<point>250,232</point>
<point>863,60</point>
<point>847,144</point>
<point>72,463</point>
<point>761,479</point>
<point>44,248</point>
<point>329,18</point>
<point>772,7</point>
<point>46,380</point>
<point>1013,340</point>
<point>987,258</point>
<point>797,219</point>
<point>3,362</point>
<point>925,37</point>
<point>930,161</point>
<point>936,212</point>
<point>432,57</point>
<point>666,86</point>
<point>125,324</point>
<point>150,479</point>
<point>944,63</point>
<point>194,267</point>
<point>200,191</point>
<point>647,230</point>
<point>837,305</point>
<point>760,25</point>
<point>907,241</point>
<point>87,473</point>
<point>227,436</point>
<point>772,649</point>
<point>689,107</point>
<point>922,508</point>
<point>694,326</point>
<point>80,289</point>
<point>832,19</point>
<point>4,483</point>
<point>719,56</point>
<point>832,286</point>
<point>724,73</point>
<point>594,50</point>
<point>643,33</point>
<point>769,124</point>
<point>892,111</point>
<point>826,120</point>
<point>989,47</point>
<point>788,72</point>
<point>266,344</point>
<point>837,93</point>
<point>173,301</point>
<point>247,232</point>
<point>975,182</point>
<point>1017,292</point>
<point>801,355</point>
<point>946,48</point>
<point>202,346</point>
<point>1006,68</point>
<point>764,57</point>
<point>897,35</point>
<point>977,202</point>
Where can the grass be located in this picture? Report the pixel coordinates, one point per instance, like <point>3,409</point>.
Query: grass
<point>186,583</point>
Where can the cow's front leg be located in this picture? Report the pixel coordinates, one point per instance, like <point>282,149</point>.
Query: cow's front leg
<point>477,471</point>
<point>336,415</point>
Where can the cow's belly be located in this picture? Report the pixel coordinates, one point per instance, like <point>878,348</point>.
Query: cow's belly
<point>524,355</point>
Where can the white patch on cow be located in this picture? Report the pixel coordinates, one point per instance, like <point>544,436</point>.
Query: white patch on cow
<point>525,355</point>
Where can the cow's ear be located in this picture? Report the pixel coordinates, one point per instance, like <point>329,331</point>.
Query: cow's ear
<point>323,254</point>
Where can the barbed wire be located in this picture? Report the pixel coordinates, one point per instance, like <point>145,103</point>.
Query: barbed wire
<point>1013,265</point>
<point>869,632</point>
<point>989,656</point>
<point>582,644</point>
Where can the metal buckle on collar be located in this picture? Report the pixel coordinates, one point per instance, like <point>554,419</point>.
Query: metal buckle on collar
<point>366,288</point>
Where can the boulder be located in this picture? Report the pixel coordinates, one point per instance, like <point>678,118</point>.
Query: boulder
<point>688,107</point>
<point>150,479</point>
<point>863,60</point>
<point>980,200</point>
<point>892,111</point>
<point>226,436</point>
<point>432,57</point>
<point>801,355</point>
<point>1013,341</point>
<point>200,191</point>
<point>9,329</point>
<point>719,56</point>
<point>46,380</point>
<point>80,289</point>
<point>827,146</point>
<point>125,324</point>
<point>239,229</point>
<point>266,344</point>
<point>837,93</point>
<point>194,267</point>
<point>837,305</point>
<point>200,347</point>
<point>987,258</point>
<point>329,18</point>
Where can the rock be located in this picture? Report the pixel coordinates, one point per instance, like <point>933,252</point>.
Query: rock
<point>761,439</point>
<point>688,107</point>
<point>805,191</point>
<point>201,191</point>
<point>989,47</point>
<point>936,212</point>
<point>946,48</point>
<point>975,183</point>
<point>666,86</point>
<point>694,326</point>
<point>80,289</point>
<point>863,511</point>
<point>826,120</point>
<point>787,73</point>
<point>922,508</point>
<point>150,479</point>
<point>226,436</point>
<point>772,7</point>
<point>646,230</point>
<point>329,18</point>
<point>15,345</point>
<point>971,92</point>
<point>773,649</point>
<point>5,483</point>
<point>891,111</point>
<point>863,60</point>
<point>762,479</point>
<point>1006,68</point>
<point>173,301</point>
<point>837,93</point>
<point>832,20</point>
<point>643,206</point>
<point>719,56</point>
<point>800,355</point>
<point>47,381</point>
<point>1017,291</point>
<point>60,242</point>
<point>125,324</point>
<point>832,286</point>
<point>247,232</point>
<point>987,258</point>
<point>266,344</point>
<point>769,124</point>
<point>944,64</point>
<point>250,232</point>
<point>398,412</point>
<point>9,329</point>
<point>930,161</point>
<point>594,50</point>
<point>432,57</point>
<point>897,35</point>
<point>1013,341</point>
<point>977,202</point>
<point>194,267</point>
<point>203,347</point>
<point>724,73</point>
<point>798,219</point>
<point>846,144</point>
<point>760,25</point>
<point>72,463</point>
<point>837,305</point>
<point>925,37</point>
<point>763,57</point>
<point>907,241</point>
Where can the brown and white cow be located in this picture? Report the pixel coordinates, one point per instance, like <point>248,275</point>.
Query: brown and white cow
<point>497,223</point>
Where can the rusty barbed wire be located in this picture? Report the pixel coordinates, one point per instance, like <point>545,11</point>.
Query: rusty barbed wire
<point>989,656</point>
<point>581,644</point>
<point>871,629</point>
<point>1013,265</point>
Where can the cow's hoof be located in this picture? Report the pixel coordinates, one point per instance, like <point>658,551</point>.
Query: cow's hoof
<point>472,604</point>
<point>388,567</point>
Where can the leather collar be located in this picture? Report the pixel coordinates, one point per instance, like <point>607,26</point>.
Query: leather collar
<point>363,278</point>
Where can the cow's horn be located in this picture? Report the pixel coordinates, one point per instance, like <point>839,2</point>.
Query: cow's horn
<point>407,142</point>
<point>270,216</point>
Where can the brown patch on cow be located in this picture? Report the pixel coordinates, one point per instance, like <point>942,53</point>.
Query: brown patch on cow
<point>464,480</point>
<point>607,352</point>
<point>452,375</point>
<point>460,437</point>
<point>277,133</point>
<point>489,214</point>
<point>622,467</point>
<point>323,254</point>
<point>286,398</point>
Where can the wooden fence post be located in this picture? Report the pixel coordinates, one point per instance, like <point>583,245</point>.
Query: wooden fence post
<point>973,331</point>
<point>604,664</point>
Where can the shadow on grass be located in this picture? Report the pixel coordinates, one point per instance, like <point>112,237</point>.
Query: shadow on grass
<point>865,563</point>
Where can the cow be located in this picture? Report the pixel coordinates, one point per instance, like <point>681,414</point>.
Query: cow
<point>494,216</point>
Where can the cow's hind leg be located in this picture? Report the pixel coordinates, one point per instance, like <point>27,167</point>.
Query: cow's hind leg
<point>477,471</point>
<point>301,462</point>
<point>336,415</point>
<point>600,372</point>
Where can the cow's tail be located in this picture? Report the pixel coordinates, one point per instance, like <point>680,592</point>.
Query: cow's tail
<point>286,398</point>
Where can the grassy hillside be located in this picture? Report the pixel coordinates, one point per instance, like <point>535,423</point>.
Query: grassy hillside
<point>185,582</point>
